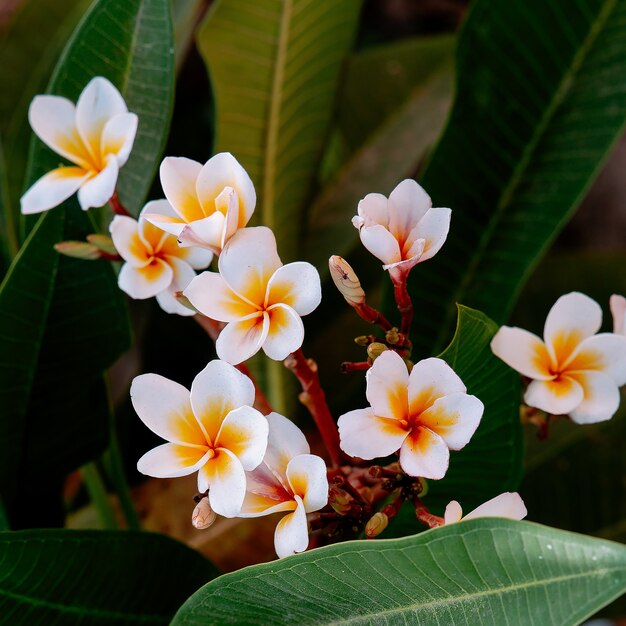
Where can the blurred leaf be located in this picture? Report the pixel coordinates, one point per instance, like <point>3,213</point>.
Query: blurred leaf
<point>407,109</point>
<point>134,578</point>
<point>486,571</point>
<point>540,102</point>
<point>275,67</point>
<point>8,229</point>
<point>186,14</point>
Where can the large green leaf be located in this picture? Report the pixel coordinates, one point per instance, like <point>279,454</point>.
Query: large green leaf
<point>275,66</point>
<point>485,571</point>
<point>95,577</point>
<point>541,98</point>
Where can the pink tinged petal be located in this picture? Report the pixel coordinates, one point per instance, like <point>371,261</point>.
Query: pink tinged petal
<point>285,442</point>
<point>264,481</point>
<point>164,407</point>
<point>285,332</point>
<point>306,474</point>
<point>297,285</point>
<point>572,318</point>
<point>172,460</point>
<point>168,301</point>
<point>453,513</point>
<point>408,204</point>
<point>225,478</point>
<point>292,532</point>
<point>387,386</point>
<point>244,432</point>
<point>97,191</point>
<point>125,235</point>
<point>601,398</point>
<point>368,436</point>
<point>523,351</point>
<point>557,397</point>
<point>223,170</point>
<point>431,379</point>
<point>118,137</point>
<point>243,338</point>
<point>618,310</point>
<point>424,454</point>
<point>454,418</point>
<point>206,232</point>
<point>216,391</point>
<point>509,505</point>
<point>147,281</point>
<point>52,189</point>
<point>248,261</point>
<point>260,504</point>
<point>381,243</point>
<point>212,296</point>
<point>434,228</point>
<point>178,179</point>
<point>372,210</point>
<point>605,353</point>
<point>413,257</point>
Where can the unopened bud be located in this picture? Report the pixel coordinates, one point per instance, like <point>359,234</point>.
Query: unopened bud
<point>392,336</point>
<point>346,281</point>
<point>339,500</point>
<point>362,340</point>
<point>203,515</point>
<point>377,523</point>
<point>102,242</point>
<point>78,250</point>
<point>374,350</point>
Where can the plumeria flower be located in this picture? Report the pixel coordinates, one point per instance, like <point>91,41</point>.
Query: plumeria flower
<point>618,309</point>
<point>403,230</point>
<point>213,431</point>
<point>260,298</point>
<point>425,415</point>
<point>509,505</point>
<point>289,479</point>
<point>574,371</point>
<point>155,264</point>
<point>96,135</point>
<point>210,201</point>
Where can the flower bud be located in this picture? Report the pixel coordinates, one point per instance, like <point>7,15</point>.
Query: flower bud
<point>203,515</point>
<point>346,281</point>
<point>377,523</point>
<point>102,242</point>
<point>392,337</point>
<point>78,250</point>
<point>339,500</point>
<point>374,350</point>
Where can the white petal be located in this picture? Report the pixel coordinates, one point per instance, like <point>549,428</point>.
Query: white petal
<point>205,232</point>
<point>434,228</point>
<point>367,436</point>
<point>244,432</point>
<point>97,191</point>
<point>198,258</point>
<point>387,386</point>
<point>285,442</point>
<point>618,310</point>
<point>248,261</point>
<point>158,213</point>
<point>147,281</point>
<point>408,204</point>
<point>601,398</point>
<point>171,460</point>
<point>164,407</point>
<point>412,258</point>
<point>285,332</point>
<point>243,338</point>
<point>424,454</point>
<point>509,505</point>
<point>168,301</point>
<point>297,285</point>
<point>373,210</point>
<point>183,273</point>
<point>216,391</point>
<point>381,243</point>
<point>453,513</point>
<point>125,235</point>
<point>557,397</point>
<point>118,137</point>
<point>226,480</point>
<point>52,189</point>
<point>522,351</point>
<point>178,179</point>
<point>292,532</point>
<point>605,353</point>
<point>431,379</point>
<point>306,474</point>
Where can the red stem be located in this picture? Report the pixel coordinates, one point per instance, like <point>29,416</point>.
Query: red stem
<point>354,366</point>
<point>117,207</point>
<point>373,316</point>
<point>314,399</point>
<point>403,300</point>
<point>425,516</point>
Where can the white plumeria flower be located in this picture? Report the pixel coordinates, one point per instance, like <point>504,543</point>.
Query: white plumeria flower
<point>509,505</point>
<point>155,264</point>
<point>575,372</point>
<point>425,415</point>
<point>618,309</point>
<point>403,230</point>
<point>290,479</point>
<point>213,431</point>
<point>210,201</point>
<point>96,135</point>
<point>260,298</point>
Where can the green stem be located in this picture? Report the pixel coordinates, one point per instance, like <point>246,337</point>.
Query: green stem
<point>99,497</point>
<point>276,386</point>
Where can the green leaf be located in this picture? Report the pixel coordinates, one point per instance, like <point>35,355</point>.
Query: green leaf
<point>275,69</point>
<point>486,571</point>
<point>406,112</point>
<point>533,121</point>
<point>9,245</point>
<point>133,578</point>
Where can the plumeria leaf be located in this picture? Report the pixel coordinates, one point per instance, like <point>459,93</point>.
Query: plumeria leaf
<point>522,146</point>
<point>485,571</point>
<point>134,578</point>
